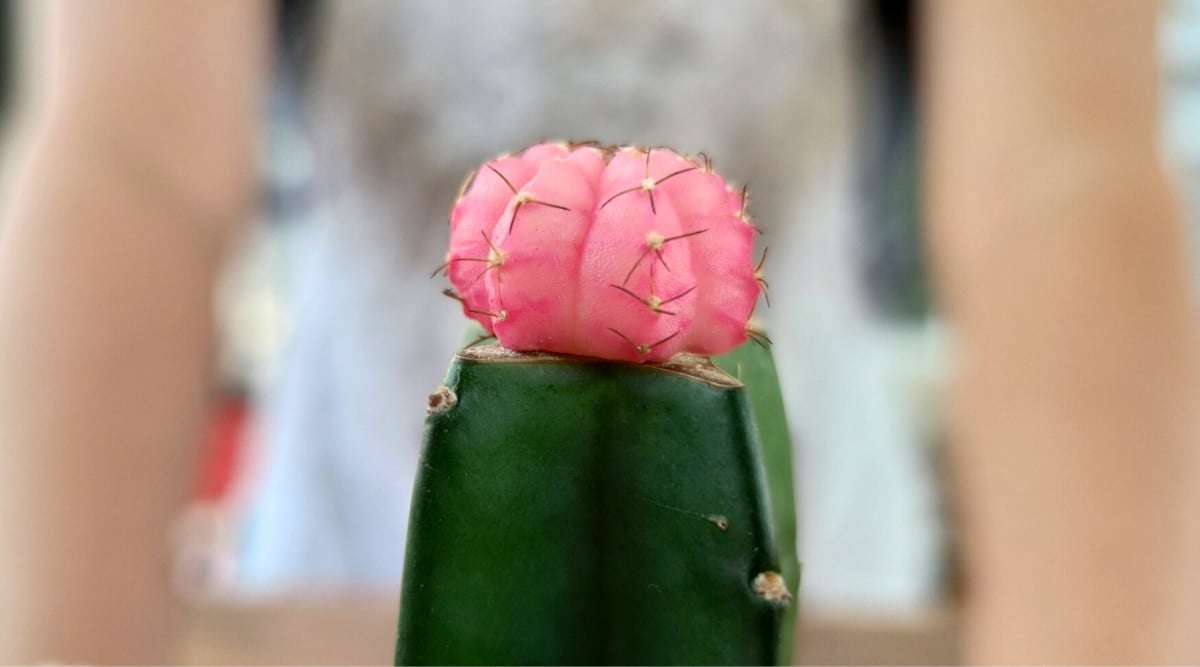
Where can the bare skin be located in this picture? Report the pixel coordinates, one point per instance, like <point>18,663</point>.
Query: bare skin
<point>1058,248</point>
<point>1060,254</point>
<point>136,167</point>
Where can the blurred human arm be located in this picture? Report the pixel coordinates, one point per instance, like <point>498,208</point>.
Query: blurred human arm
<point>133,170</point>
<point>1061,263</point>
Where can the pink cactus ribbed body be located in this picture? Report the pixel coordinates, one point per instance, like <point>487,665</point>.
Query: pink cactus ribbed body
<point>628,253</point>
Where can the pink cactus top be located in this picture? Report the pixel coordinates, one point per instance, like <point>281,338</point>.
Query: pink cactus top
<point>620,253</point>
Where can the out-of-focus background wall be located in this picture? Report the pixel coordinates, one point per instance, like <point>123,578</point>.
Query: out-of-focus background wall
<point>332,332</point>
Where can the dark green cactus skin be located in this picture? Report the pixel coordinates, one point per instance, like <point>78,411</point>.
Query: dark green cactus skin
<point>574,511</point>
<point>754,366</point>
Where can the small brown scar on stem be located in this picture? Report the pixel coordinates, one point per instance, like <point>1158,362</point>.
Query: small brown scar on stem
<point>771,588</point>
<point>441,400</point>
<point>717,520</point>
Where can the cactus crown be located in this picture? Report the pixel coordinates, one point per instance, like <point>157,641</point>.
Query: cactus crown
<point>625,253</point>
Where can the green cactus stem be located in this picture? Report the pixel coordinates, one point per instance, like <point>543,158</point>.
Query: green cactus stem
<point>576,511</point>
<point>754,366</point>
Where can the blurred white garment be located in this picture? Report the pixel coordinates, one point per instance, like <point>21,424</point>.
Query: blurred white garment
<point>1179,41</point>
<point>410,96</point>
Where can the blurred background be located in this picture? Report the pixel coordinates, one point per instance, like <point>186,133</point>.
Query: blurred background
<point>332,333</point>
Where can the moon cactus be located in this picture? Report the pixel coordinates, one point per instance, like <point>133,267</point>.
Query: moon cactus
<point>572,507</point>
<point>632,254</point>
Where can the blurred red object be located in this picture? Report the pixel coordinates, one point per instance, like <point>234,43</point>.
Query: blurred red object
<point>224,448</point>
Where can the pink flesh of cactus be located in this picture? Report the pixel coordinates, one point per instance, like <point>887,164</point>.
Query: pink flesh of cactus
<point>604,253</point>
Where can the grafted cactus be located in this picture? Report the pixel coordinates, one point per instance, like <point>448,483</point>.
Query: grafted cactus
<point>572,507</point>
